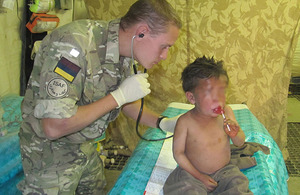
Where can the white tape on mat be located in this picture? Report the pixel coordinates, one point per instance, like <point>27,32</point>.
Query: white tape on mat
<point>165,164</point>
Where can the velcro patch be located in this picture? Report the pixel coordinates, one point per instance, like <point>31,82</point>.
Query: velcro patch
<point>67,69</point>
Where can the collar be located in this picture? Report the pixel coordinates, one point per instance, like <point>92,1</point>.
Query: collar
<point>112,48</point>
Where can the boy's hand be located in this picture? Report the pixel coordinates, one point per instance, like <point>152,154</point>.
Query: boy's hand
<point>210,183</point>
<point>234,128</point>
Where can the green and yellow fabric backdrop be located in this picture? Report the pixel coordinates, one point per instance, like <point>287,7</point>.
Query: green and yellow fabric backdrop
<point>255,39</point>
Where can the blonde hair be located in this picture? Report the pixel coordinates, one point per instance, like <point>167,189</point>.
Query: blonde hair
<point>157,14</point>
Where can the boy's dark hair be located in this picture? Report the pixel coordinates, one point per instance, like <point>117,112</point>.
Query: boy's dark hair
<point>158,14</point>
<point>201,68</point>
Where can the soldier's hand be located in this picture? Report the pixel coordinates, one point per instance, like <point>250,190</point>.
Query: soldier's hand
<point>132,89</point>
<point>168,124</point>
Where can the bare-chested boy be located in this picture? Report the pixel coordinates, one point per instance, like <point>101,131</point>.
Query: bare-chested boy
<point>201,143</point>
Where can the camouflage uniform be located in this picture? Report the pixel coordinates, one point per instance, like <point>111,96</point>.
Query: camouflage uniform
<point>76,65</point>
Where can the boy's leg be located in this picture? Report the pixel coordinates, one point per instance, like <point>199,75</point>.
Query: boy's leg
<point>231,181</point>
<point>181,182</point>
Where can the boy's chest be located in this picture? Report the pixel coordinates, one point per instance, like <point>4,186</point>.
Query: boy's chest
<point>208,134</point>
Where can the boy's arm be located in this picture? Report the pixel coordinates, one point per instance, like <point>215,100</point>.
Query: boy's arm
<point>236,134</point>
<point>179,142</point>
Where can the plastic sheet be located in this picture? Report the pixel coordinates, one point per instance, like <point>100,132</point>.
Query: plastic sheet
<point>10,159</point>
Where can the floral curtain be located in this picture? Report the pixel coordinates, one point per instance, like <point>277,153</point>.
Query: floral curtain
<point>255,39</point>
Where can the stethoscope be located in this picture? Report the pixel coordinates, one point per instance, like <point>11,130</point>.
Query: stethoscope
<point>142,99</point>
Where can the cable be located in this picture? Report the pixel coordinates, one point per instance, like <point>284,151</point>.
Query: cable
<point>139,118</point>
<point>142,102</point>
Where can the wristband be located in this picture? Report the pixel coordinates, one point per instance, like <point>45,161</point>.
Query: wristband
<point>158,121</point>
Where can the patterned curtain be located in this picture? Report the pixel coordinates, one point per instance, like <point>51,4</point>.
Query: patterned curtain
<point>255,39</point>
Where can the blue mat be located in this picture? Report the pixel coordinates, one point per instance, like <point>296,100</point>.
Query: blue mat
<point>268,177</point>
<point>11,171</point>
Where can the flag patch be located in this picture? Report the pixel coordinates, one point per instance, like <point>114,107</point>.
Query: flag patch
<point>67,69</point>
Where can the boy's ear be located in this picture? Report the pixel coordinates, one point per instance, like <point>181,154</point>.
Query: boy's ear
<point>190,96</point>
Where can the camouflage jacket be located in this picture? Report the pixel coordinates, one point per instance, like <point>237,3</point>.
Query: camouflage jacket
<point>76,65</point>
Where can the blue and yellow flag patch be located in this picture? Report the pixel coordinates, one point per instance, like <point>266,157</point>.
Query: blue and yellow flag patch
<point>67,69</point>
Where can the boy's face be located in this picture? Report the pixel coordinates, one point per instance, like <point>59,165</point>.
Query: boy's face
<point>209,94</point>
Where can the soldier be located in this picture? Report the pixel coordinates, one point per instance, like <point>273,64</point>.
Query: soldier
<point>82,77</point>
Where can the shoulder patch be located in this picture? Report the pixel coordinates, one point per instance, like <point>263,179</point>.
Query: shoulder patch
<point>67,69</point>
<point>57,87</point>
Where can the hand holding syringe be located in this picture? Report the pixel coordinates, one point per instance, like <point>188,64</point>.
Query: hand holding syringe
<point>219,110</point>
